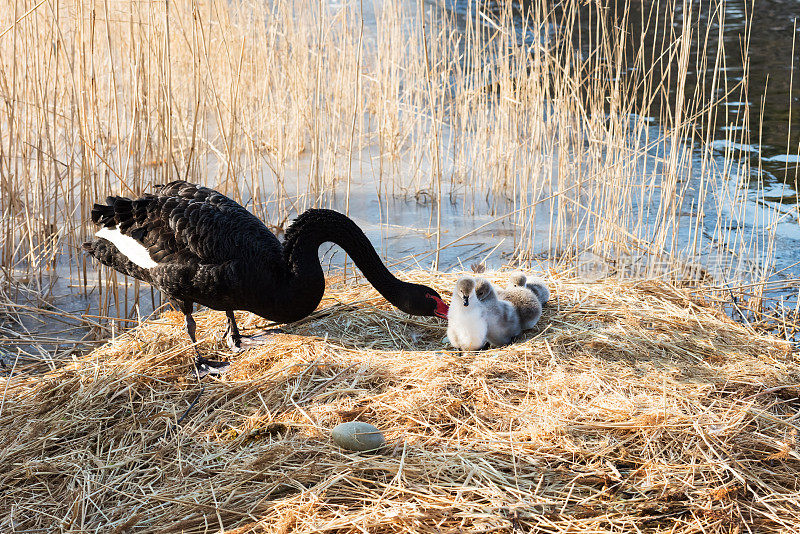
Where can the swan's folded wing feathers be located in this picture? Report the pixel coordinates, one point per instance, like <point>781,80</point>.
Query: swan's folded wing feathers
<point>138,233</point>
<point>218,231</point>
<point>140,210</point>
<point>163,207</point>
<point>187,224</point>
<point>217,198</point>
<point>176,188</point>
<point>180,225</point>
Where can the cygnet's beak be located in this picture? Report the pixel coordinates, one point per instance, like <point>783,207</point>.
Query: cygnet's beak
<point>466,300</point>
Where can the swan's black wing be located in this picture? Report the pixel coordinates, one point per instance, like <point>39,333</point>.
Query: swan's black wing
<point>182,223</point>
<point>193,243</point>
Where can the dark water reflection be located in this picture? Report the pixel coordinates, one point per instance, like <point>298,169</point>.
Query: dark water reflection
<point>773,99</point>
<point>775,31</point>
<point>771,137</point>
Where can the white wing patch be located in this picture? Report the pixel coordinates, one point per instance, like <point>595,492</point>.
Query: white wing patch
<point>132,249</point>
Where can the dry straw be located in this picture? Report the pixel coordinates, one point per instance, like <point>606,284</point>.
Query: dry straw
<point>635,406</point>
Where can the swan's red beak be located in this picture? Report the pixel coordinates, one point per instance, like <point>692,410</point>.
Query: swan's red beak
<point>441,308</point>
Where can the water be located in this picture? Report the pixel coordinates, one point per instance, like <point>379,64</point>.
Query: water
<point>772,96</point>
<point>770,140</point>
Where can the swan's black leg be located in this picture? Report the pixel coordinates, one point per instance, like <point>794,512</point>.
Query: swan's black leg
<point>238,342</point>
<point>191,328</point>
<point>232,333</point>
<point>202,366</point>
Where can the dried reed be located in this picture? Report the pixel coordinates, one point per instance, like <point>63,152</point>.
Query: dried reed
<point>635,406</point>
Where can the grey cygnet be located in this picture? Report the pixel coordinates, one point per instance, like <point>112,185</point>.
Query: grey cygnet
<point>537,285</point>
<point>502,320</point>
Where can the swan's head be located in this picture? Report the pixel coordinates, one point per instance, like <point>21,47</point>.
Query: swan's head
<point>484,290</point>
<point>518,280</point>
<point>464,288</point>
<point>440,307</point>
<point>417,299</point>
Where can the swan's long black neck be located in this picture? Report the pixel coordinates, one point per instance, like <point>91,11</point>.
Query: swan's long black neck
<point>301,255</point>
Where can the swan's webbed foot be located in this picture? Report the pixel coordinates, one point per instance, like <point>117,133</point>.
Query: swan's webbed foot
<point>242,343</point>
<point>238,343</point>
<point>204,367</point>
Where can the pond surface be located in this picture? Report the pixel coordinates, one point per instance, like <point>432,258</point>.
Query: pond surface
<point>768,138</point>
<point>772,95</point>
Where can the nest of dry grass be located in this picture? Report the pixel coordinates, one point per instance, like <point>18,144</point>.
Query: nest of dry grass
<point>634,406</point>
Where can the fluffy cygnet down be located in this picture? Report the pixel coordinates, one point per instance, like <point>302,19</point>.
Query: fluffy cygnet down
<point>526,303</point>
<point>502,320</point>
<point>537,285</point>
<point>466,325</point>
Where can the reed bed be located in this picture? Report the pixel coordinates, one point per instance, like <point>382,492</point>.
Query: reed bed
<point>544,119</point>
<point>633,406</point>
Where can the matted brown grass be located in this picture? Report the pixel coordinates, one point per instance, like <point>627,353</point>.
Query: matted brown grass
<point>634,406</point>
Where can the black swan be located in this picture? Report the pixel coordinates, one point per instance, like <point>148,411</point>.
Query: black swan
<point>198,246</point>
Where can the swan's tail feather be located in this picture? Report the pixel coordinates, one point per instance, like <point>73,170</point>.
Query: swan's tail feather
<point>106,253</point>
<point>120,214</point>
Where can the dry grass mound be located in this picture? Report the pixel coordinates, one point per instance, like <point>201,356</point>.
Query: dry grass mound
<point>634,406</point>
